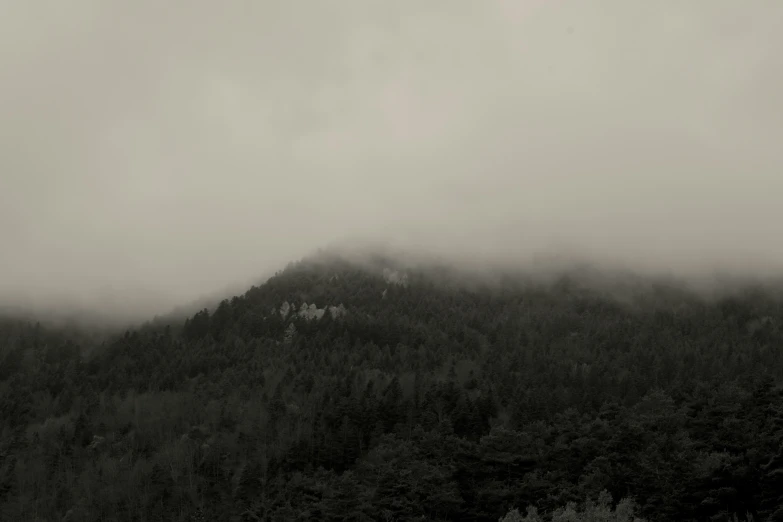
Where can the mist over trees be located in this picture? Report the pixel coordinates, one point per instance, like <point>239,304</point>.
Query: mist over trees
<point>583,323</point>
<point>417,394</point>
<point>139,174</point>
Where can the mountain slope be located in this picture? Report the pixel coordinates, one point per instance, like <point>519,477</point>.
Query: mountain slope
<point>341,390</point>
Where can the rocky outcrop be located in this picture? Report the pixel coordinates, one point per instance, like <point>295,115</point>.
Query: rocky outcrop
<point>311,312</point>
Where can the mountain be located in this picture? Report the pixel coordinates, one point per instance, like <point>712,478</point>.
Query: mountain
<point>368,388</point>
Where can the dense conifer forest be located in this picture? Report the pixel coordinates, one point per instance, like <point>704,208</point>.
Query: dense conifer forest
<point>342,392</point>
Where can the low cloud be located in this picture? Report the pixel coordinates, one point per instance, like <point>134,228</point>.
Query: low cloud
<point>151,153</point>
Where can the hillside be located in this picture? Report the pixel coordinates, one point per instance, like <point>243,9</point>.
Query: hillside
<point>382,391</point>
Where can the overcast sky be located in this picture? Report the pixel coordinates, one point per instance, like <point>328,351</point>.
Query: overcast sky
<point>163,150</point>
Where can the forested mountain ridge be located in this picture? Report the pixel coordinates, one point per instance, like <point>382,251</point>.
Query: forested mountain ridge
<point>416,394</point>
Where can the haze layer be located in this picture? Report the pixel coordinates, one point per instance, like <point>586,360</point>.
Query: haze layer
<point>159,151</point>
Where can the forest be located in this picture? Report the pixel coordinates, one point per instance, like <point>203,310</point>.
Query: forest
<point>337,391</point>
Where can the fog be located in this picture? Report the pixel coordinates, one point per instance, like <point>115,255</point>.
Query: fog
<point>155,152</point>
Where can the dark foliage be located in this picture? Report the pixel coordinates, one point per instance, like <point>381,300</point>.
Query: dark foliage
<point>429,400</point>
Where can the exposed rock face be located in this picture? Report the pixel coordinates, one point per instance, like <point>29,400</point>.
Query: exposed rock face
<point>311,312</point>
<point>394,277</point>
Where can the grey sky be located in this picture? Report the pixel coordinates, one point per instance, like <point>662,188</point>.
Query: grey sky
<point>163,150</point>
